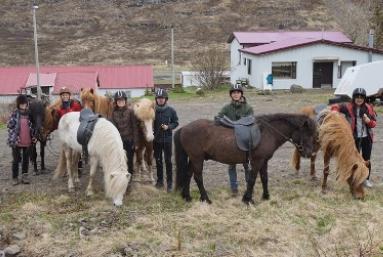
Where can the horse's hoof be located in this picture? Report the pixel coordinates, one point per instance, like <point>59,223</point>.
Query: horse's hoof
<point>324,191</point>
<point>247,200</point>
<point>266,197</point>
<point>71,190</point>
<point>207,200</point>
<point>314,178</point>
<point>187,198</point>
<point>89,193</point>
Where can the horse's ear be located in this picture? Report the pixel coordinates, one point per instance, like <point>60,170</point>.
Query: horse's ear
<point>91,90</point>
<point>81,89</point>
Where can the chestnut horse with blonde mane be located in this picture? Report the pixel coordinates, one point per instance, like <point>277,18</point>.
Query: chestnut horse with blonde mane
<point>99,104</point>
<point>336,140</point>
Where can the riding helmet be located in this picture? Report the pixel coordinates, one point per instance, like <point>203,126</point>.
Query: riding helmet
<point>236,87</point>
<point>64,90</point>
<point>21,99</point>
<point>120,95</point>
<point>161,93</point>
<point>359,92</point>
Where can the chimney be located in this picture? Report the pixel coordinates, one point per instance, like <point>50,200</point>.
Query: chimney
<point>370,44</point>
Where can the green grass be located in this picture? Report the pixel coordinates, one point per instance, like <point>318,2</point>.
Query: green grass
<point>3,125</point>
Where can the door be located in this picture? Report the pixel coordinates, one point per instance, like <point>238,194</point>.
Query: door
<point>322,74</point>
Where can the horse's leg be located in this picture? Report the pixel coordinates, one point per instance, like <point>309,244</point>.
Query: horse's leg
<point>61,166</point>
<point>255,167</point>
<point>139,157</point>
<point>75,159</point>
<point>149,159</point>
<point>69,165</point>
<point>264,179</point>
<point>312,166</point>
<point>197,169</point>
<point>34,158</point>
<point>186,189</point>
<point>93,169</point>
<point>326,169</point>
<point>42,154</point>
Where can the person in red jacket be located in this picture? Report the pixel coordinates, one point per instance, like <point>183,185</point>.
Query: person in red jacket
<point>362,118</point>
<point>67,104</point>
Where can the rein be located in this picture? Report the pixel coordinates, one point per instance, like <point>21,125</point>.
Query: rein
<point>298,146</point>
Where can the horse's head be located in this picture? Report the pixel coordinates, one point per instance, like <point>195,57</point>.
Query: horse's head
<point>359,173</point>
<point>144,112</point>
<point>119,181</point>
<point>51,120</point>
<point>37,114</point>
<point>304,137</point>
<point>87,97</point>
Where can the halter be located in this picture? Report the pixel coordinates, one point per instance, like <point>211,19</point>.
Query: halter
<point>298,146</point>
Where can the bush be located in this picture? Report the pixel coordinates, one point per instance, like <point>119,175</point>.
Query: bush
<point>296,89</point>
<point>148,92</point>
<point>178,89</point>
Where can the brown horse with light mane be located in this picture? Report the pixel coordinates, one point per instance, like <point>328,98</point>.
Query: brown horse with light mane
<point>335,139</point>
<point>99,104</point>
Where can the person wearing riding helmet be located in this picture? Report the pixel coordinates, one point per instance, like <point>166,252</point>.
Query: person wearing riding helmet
<point>67,104</point>
<point>235,110</point>
<point>124,120</point>
<point>164,122</point>
<point>20,137</point>
<point>362,119</point>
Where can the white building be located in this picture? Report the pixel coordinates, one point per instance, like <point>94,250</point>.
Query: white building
<point>309,59</point>
<point>190,78</point>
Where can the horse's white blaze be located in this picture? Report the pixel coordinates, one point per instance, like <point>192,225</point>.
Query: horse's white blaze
<point>104,147</point>
<point>149,130</point>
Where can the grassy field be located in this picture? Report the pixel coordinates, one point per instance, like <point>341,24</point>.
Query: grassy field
<point>297,221</point>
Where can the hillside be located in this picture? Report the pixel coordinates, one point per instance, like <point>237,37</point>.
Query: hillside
<point>127,31</point>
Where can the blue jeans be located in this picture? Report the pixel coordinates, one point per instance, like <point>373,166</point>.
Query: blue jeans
<point>233,175</point>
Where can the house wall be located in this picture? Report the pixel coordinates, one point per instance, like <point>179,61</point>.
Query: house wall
<point>237,70</point>
<point>7,99</point>
<point>305,58</point>
<point>189,80</point>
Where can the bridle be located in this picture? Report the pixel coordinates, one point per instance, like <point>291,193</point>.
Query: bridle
<point>298,146</point>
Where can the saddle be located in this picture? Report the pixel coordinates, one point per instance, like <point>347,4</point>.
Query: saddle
<point>88,120</point>
<point>246,131</point>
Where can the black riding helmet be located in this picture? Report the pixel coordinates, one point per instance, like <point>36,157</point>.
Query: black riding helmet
<point>236,87</point>
<point>21,99</point>
<point>161,93</point>
<point>120,95</point>
<point>359,92</point>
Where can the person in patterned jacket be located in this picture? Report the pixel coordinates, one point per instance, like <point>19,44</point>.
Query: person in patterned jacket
<point>20,137</point>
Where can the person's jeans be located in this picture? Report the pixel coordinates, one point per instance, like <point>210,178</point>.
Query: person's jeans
<point>165,147</point>
<point>233,175</point>
<point>364,144</point>
<point>20,154</point>
<point>128,147</point>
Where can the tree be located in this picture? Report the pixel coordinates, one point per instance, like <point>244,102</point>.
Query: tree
<point>209,65</point>
<point>377,23</point>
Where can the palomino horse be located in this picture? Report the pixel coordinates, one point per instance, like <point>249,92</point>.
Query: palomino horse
<point>105,146</point>
<point>336,140</point>
<point>144,113</point>
<point>99,104</point>
<point>202,140</point>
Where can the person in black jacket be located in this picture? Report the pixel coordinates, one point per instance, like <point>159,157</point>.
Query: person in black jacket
<point>165,121</point>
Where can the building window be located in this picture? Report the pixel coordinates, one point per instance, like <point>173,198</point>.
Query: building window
<point>240,55</point>
<point>284,70</point>
<point>244,61</point>
<point>249,67</point>
<point>343,67</point>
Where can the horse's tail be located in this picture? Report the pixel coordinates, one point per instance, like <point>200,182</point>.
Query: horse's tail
<point>296,160</point>
<point>181,161</point>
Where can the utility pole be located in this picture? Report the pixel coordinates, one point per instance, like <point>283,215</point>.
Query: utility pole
<point>173,78</point>
<point>34,7</point>
<point>370,44</point>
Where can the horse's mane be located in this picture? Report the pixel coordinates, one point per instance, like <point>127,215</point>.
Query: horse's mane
<point>144,109</point>
<point>113,157</point>
<point>335,135</point>
<point>296,120</point>
<point>99,103</point>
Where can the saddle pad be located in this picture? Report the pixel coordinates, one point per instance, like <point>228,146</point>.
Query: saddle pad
<point>87,122</point>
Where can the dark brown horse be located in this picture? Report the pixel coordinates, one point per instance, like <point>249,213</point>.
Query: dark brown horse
<point>203,140</point>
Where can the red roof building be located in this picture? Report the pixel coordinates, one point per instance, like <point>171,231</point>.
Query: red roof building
<point>129,77</point>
